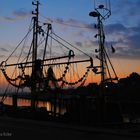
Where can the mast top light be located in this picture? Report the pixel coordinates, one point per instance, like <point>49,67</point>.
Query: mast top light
<point>93,14</point>
<point>101,6</point>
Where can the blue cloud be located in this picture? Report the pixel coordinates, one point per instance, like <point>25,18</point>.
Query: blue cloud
<point>113,28</point>
<point>127,40</point>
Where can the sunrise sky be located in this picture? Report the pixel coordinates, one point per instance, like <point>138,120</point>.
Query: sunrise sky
<point>70,20</point>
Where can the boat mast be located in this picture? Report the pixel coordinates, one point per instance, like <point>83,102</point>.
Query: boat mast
<point>101,49</point>
<point>101,13</point>
<point>35,32</point>
<point>34,53</point>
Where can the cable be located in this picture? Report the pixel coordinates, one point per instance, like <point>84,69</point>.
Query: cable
<point>59,42</point>
<point>71,45</point>
<point>19,43</point>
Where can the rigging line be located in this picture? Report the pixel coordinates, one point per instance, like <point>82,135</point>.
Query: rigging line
<point>77,71</point>
<point>46,41</point>
<point>26,60</point>
<point>109,54</point>
<point>59,46</point>
<point>70,71</point>
<point>110,6</point>
<point>29,52</point>
<point>108,70</point>
<point>59,70</point>
<point>111,64</point>
<point>19,57</point>
<point>27,57</point>
<point>72,45</point>
<point>19,43</point>
<point>51,44</point>
<point>59,42</point>
<point>4,95</point>
<point>21,52</point>
<point>74,72</point>
<point>42,39</point>
<point>94,4</point>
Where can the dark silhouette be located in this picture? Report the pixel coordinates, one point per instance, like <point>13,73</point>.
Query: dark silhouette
<point>84,103</point>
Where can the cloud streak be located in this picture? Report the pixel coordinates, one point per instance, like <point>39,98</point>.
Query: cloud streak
<point>72,23</point>
<point>7,19</point>
<point>4,50</point>
<point>16,15</point>
<point>126,11</point>
<point>21,13</point>
<point>127,39</point>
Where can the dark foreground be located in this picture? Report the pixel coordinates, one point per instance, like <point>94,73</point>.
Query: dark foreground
<point>23,128</point>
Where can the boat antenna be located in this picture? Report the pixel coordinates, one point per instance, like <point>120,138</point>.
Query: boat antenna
<point>102,12</point>
<point>35,29</point>
<point>35,14</point>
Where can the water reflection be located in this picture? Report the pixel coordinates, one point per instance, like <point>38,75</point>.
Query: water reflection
<point>27,102</point>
